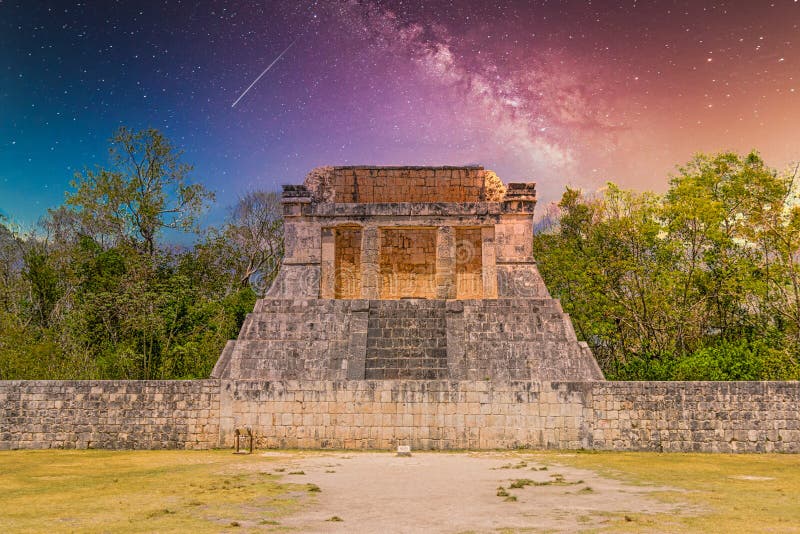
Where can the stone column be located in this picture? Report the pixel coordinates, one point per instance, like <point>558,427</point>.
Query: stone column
<point>327,282</point>
<point>357,344</point>
<point>445,263</point>
<point>488,263</point>
<point>370,275</point>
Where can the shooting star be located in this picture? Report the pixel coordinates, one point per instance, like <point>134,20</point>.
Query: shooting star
<point>265,71</point>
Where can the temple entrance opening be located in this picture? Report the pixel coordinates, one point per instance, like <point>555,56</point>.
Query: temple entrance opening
<point>407,263</point>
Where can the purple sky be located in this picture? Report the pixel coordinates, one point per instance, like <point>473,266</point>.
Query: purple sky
<point>556,92</point>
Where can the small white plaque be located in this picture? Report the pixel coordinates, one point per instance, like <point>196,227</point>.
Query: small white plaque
<point>403,450</point>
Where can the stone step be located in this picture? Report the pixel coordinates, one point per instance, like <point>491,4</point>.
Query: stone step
<point>407,339</point>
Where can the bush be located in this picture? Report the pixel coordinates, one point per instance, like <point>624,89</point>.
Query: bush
<point>736,360</point>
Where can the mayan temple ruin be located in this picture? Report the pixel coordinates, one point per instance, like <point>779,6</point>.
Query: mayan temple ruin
<point>408,311</point>
<point>417,273</point>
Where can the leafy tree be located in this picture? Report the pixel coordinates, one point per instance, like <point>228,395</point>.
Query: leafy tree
<point>700,283</point>
<point>94,293</point>
<point>43,281</point>
<point>256,231</point>
<point>11,251</point>
<point>145,190</point>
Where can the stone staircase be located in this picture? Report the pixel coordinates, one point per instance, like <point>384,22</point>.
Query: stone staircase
<point>407,339</point>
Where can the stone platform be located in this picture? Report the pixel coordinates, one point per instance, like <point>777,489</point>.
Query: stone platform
<point>412,339</point>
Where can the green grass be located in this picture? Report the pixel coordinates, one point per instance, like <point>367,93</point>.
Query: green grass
<point>135,491</point>
<point>725,492</point>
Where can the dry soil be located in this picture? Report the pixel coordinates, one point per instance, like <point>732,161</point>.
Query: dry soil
<point>457,492</point>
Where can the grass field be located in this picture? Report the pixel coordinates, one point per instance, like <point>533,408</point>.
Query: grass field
<point>722,492</point>
<point>216,491</point>
<point>135,491</point>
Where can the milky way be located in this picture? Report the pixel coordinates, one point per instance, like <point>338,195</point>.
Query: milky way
<point>556,92</point>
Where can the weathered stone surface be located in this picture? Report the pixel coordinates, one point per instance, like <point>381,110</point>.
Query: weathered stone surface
<point>425,414</point>
<point>407,339</point>
<point>380,185</point>
<point>415,339</point>
<point>114,414</point>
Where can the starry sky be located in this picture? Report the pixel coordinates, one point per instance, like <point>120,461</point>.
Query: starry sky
<point>557,92</point>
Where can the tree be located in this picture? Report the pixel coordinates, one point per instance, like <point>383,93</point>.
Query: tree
<point>11,252</point>
<point>256,230</point>
<point>94,293</point>
<point>715,209</point>
<point>610,265</point>
<point>145,190</point>
<point>700,283</point>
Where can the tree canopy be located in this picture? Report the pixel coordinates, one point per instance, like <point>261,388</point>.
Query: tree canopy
<point>96,291</point>
<point>698,283</point>
<point>146,189</point>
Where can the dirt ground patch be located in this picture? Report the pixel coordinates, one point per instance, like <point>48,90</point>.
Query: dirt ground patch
<point>460,492</point>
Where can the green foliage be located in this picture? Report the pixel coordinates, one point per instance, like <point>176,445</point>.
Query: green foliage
<point>43,282</point>
<point>146,189</point>
<point>738,360</point>
<point>95,295</point>
<point>701,283</point>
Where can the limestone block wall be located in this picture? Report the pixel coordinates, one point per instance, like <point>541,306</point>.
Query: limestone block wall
<point>301,339</point>
<point>299,275</point>
<point>371,185</point>
<point>407,340</point>
<point>426,414</point>
<point>658,416</point>
<point>515,339</point>
<point>418,339</point>
<point>695,416</point>
<point>109,414</point>
<point>423,414</point>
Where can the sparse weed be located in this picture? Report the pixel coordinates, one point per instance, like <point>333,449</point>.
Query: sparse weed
<point>156,513</point>
<point>519,465</point>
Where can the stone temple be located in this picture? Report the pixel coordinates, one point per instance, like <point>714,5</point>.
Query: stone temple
<point>410,273</point>
<point>408,311</point>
